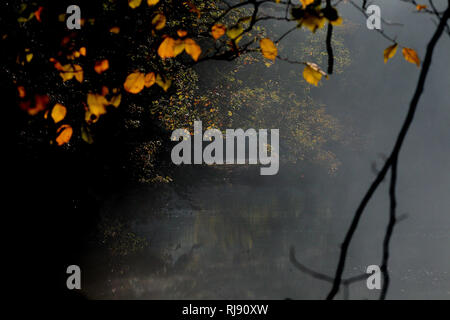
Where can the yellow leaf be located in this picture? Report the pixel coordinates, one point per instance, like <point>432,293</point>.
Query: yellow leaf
<point>159,21</point>
<point>149,80</point>
<point>69,71</point>
<point>78,72</point>
<point>96,106</point>
<point>337,22</point>
<point>230,113</point>
<point>411,56</point>
<point>135,82</point>
<point>152,2</point>
<point>101,66</point>
<point>65,133</point>
<point>192,49</point>
<point>218,30</point>
<point>389,52</point>
<point>268,49</point>
<point>163,83</point>
<point>179,46</point>
<point>58,113</point>
<point>235,32</point>
<point>115,101</point>
<point>134,3</point>
<point>305,3</point>
<point>313,74</point>
<point>29,56</point>
<point>83,51</point>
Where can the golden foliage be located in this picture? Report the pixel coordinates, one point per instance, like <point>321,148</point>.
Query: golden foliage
<point>411,56</point>
<point>313,74</point>
<point>135,82</point>
<point>192,49</point>
<point>134,3</point>
<point>65,133</point>
<point>101,66</point>
<point>389,52</point>
<point>159,21</point>
<point>268,49</point>
<point>58,112</point>
<point>149,79</point>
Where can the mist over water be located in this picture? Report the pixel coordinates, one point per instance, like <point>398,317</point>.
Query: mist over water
<point>227,233</point>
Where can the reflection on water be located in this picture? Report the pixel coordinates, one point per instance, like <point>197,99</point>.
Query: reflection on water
<point>233,243</point>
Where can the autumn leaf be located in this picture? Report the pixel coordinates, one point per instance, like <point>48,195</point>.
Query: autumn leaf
<point>69,71</point>
<point>163,83</point>
<point>235,32</point>
<point>115,100</point>
<point>115,30</point>
<point>192,49</point>
<point>149,79</point>
<point>159,21</point>
<point>166,48</point>
<point>38,13</point>
<point>313,74</point>
<point>135,82</point>
<point>420,7</point>
<point>182,33</point>
<point>411,56</point>
<point>65,133</point>
<point>389,52</point>
<point>134,3</point>
<point>58,112</point>
<point>305,3</point>
<point>83,51</point>
<point>152,2</point>
<point>101,66</point>
<point>21,91</point>
<point>218,30</point>
<point>268,49</point>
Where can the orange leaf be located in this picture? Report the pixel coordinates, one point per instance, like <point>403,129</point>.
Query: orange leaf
<point>83,51</point>
<point>149,79</point>
<point>192,48</point>
<point>218,30</point>
<point>65,133</point>
<point>115,30</point>
<point>420,7</point>
<point>22,92</point>
<point>182,33</point>
<point>101,66</point>
<point>135,82</point>
<point>170,48</point>
<point>268,49</point>
<point>411,56</point>
<point>159,21</point>
<point>38,13</point>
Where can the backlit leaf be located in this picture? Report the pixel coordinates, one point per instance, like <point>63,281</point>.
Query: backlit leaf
<point>58,112</point>
<point>163,83</point>
<point>159,21</point>
<point>268,49</point>
<point>411,56</point>
<point>134,3</point>
<point>305,3</point>
<point>389,52</point>
<point>152,2</point>
<point>313,74</point>
<point>149,80</point>
<point>135,82</point>
<point>65,133</point>
<point>101,66</point>
<point>192,49</point>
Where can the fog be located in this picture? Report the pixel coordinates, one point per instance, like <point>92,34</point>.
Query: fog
<point>226,234</point>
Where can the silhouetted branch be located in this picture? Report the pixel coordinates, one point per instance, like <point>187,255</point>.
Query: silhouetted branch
<point>391,162</point>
